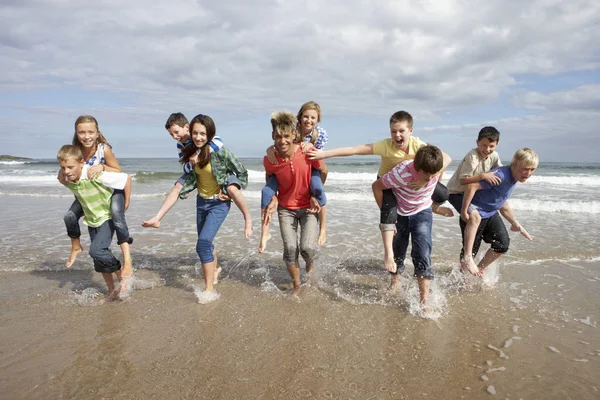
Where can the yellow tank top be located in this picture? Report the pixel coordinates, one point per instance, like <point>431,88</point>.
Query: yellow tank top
<point>206,183</point>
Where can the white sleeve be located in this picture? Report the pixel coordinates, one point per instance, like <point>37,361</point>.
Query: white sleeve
<point>115,180</point>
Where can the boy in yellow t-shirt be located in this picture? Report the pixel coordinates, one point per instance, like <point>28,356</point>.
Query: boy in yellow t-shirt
<point>402,145</point>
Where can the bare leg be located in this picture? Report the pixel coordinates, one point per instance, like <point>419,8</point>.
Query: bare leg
<point>238,198</point>
<point>294,271</point>
<point>111,295</point>
<point>323,226</point>
<point>167,204</point>
<point>443,211</point>
<point>469,238</point>
<point>127,263</point>
<point>217,268</point>
<point>394,283</point>
<point>388,250</point>
<point>424,292</point>
<point>489,257</point>
<point>76,248</point>
<point>309,268</point>
<point>209,275</point>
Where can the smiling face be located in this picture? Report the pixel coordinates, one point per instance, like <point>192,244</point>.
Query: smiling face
<point>308,121</point>
<point>199,135</point>
<point>71,168</point>
<point>181,134</point>
<point>401,132</point>
<point>87,134</point>
<point>284,142</point>
<point>486,147</point>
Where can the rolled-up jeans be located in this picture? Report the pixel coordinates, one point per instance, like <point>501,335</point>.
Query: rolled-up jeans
<point>117,209</point>
<point>101,236</point>
<point>306,244</point>
<point>210,214</point>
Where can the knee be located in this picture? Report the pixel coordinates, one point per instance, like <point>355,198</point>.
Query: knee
<point>308,252</point>
<point>70,217</point>
<point>233,189</point>
<point>440,195</point>
<point>501,245</point>
<point>204,248</point>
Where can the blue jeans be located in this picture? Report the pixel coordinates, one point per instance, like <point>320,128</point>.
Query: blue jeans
<point>210,214</point>
<point>101,237</point>
<point>418,227</point>
<point>316,188</point>
<point>117,209</point>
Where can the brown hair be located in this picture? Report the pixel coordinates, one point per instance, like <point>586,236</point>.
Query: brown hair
<point>400,116</point>
<point>176,119</point>
<point>204,155</point>
<point>429,159</point>
<point>82,119</point>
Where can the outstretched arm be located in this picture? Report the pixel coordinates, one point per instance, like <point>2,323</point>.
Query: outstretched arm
<point>363,149</point>
<point>507,212</point>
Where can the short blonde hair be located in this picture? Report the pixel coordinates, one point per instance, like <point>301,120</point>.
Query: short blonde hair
<point>525,157</point>
<point>69,152</point>
<point>283,121</point>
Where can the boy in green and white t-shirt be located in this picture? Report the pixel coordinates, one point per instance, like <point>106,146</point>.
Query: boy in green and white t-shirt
<point>95,197</point>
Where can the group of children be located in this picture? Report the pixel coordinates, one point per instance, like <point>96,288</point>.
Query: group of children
<point>408,191</point>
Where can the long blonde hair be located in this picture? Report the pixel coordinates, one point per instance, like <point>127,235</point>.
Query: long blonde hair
<point>309,105</point>
<point>82,119</point>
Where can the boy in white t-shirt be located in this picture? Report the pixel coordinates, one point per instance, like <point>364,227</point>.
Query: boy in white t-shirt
<point>95,198</point>
<point>415,218</point>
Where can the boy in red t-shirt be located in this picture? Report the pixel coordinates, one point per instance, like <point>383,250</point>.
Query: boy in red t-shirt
<point>296,204</point>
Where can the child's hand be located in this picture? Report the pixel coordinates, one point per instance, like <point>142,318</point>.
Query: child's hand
<point>194,159</point>
<point>306,146</point>
<point>315,154</point>
<point>271,155</point>
<point>491,178</point>
<point>464,214</point>
<point>223,196</point>
<point>268,212</point>
<point>95,171</point>
<point>416,184</point>
<point>314,207</point>
<point>61,177</point>
<point>518,228</point>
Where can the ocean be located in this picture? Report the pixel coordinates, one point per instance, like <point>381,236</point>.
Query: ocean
<point>527,330</point>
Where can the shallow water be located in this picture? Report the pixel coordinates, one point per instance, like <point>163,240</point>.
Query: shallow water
<point>530,330</point>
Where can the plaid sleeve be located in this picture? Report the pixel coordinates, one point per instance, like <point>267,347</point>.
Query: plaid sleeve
<point>189,185</point>
<point>322,138</point>
<point>235,166</point>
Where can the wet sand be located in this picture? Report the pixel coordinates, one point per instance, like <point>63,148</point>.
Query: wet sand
<point>532,342</point>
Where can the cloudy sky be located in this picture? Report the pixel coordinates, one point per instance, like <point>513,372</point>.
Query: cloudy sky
<point>530,68</point>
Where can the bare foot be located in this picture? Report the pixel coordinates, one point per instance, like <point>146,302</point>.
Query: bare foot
<point>248,229</point>
<point>217,273</point>
<point>151,223</point>
<point>443,211</point>
<point>111,296</point>
<point>264,238</point>
<point>125,287</point>
<point>390,265</point>
<point>394,283</point>
<point>74,252</point>
<point>295,289</point>
<point>322,237</point>
<point>468,264</point>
